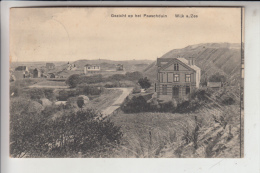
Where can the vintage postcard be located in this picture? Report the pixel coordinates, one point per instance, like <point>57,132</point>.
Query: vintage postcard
<point>118,82</point>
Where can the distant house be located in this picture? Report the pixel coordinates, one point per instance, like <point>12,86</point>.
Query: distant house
<point>21,72</point>
<point>214,85</point>
<point>36,73</point>
<point>91,69</point>
<point>50,66</point>
<point>71,66</point>
<point>119,67</point>
<point>176,78</point>
<point>51,75</point>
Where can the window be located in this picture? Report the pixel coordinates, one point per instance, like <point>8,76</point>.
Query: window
<point>176,78</point>
<point>176,67</point>
<point>164,89</point>
<point>161,77</point>
<point>175,91</point>
<point>187,90</point>
<point>164,77</point>
<point>170,77</point>
<point>187,78</point>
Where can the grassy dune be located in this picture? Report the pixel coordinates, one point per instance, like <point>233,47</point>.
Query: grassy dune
<point>165,134</point>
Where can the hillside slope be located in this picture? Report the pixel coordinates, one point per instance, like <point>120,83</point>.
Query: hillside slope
<point>224,58</point>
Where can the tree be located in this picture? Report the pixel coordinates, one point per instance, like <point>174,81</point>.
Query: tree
<point>144,83</point>
<point>217,78</point>
<point>73,80</point>
<point>80,102</point>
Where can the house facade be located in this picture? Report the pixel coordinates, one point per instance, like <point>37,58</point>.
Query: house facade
<point>119,67</point>
<point>91,69</point>
<point>50,66</point>
<point>36,73</point>
<point>176,78</point>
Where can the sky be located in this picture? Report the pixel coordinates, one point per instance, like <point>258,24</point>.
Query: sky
<point>70,34</point>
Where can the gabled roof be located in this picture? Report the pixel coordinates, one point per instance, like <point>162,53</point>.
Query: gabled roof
<point>20,68</point>
<point>50,64</point>
<point>194,67</point>
<point>183,61</point>
<point>91,65</point>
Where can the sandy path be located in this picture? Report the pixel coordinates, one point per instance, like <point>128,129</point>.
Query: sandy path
<point>54,87</point>
<point>109,110</point>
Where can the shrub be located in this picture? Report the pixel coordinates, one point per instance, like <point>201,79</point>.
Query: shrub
<point>48,94</point>
<point>144,83</point>
<point>201,94</point>
<point>167,107</point>
<point>73,80</point>
<point>228,100</point>
<point>91,79</point>
<point>133,76</point>
<point>82,131</point>
<point>64,94</point>
<point>89,90</point>
<point>136,89</point>
<point>116,77</point>
<point>217,78</point>
<point>15,91</point>
<point>80,102</point>
<point>135,105</point>
<point>36,93</point>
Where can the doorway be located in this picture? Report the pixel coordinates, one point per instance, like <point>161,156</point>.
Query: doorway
<point>175,92</point>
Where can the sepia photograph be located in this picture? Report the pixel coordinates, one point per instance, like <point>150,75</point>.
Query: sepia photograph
<point>126,82</point>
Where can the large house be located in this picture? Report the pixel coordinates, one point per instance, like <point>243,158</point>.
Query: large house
<point>91,69</point>
<point>176,78</point>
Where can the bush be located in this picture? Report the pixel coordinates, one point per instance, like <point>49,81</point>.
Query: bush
<point>116,77</point>
<point>144,83</point>
<point>91,79</point>
<point>80,102</point>
<point>228,100</point>
<point>136,89</point>
<point>201,94</point>
<point>64,94</point>
<point>48,93</point>
<point>36,93</point>
<point>135,105</point>
<point>217,78</point>
<point>166,107</point>
<point>89,90</point>
<point>134,76</point>
<point>15,91</point>
<point>82,131</point>
<point>73,80</point>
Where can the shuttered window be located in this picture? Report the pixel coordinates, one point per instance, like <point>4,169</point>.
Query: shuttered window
<point>187,90</point>
<point>164,89</point>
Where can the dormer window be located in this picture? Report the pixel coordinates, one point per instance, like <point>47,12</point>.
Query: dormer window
<point>176,67</point>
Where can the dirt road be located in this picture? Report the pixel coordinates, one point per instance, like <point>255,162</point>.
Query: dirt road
<point>54,87</point>
<point>109,110</point>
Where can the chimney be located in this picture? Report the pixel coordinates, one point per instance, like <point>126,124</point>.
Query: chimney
<point>191,61</point>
